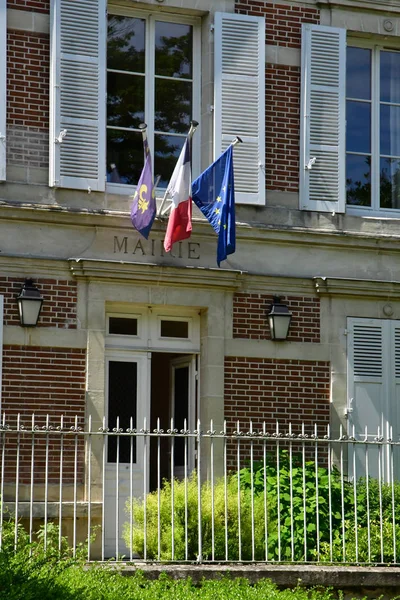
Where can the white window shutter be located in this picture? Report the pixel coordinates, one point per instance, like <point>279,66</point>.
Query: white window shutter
<point>323,119</point>
<point>239,100</point>
<point>3,88</point>
<point>78,94</point>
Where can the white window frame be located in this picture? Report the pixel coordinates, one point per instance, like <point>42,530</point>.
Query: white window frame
<point>150,18</point>
<point>373,210</point>
<point>149,336</point>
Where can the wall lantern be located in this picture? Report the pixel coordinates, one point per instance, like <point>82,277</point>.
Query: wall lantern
<point>279,318</point>
<point>29,304</point>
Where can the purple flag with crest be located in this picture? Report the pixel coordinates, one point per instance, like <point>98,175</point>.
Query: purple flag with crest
<point>144,207</point>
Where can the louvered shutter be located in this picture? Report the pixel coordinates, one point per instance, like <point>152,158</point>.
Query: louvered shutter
<point>368,378</point>
<point>77,94</point>
<point>3,82</point>
<point>239,100</point>
<point>322,126</point>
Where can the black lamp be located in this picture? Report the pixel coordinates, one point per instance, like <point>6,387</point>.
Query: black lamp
<point>29,304</point>
<point>279,318</point>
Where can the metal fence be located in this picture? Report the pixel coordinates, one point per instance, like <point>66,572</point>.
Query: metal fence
<point>245,493</point>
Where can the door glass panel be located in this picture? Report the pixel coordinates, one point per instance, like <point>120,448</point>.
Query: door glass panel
<point>358,180</point>
<point>167,149</point>
<point>122,403</point>
<point>173,50</point>
<point>390,76</point>
<point>124,156</point>
<point>358,131</point>
<point>126,44</point>
<point>390,183</point>
<point>390,130</point>
<point>358,73</point>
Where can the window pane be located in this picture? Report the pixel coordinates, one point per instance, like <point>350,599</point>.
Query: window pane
<point>124,156</point>
<point>390,130</point>
<point>175,329</point>
<point>390,183</point>
<point>166,153</point>
<point>390,76</point>
<point>122,326</point>
<point>358,131</point>
<point>358,180</point>
<point>126,44</point>
<point>358,73</point>
<point>173,49</point>
<point>125,100</point>
<point>122,402</point>
<point>173,106</point>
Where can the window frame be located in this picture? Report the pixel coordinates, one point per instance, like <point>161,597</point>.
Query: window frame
<point>151,17</point>
<point>374,210</point>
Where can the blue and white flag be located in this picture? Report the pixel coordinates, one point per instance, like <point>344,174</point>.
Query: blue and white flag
<point>214,194</point>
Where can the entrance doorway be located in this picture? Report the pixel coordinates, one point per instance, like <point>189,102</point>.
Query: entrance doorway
<point>158,387</point>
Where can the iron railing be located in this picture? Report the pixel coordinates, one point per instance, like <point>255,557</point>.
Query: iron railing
<point>256,493</point>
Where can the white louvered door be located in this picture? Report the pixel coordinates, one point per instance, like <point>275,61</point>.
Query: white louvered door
<point>3,81</point>
<point>77,94</point>
<point>323,119</point>
<point>373,390</point>
<point>239,100</point>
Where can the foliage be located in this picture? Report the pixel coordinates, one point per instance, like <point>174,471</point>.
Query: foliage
<point>300,502</point>
<point>305,509</point>
<point>226,522</point>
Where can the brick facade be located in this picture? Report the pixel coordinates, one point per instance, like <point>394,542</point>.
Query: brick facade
<point>28,72</point>
<point>42,6</point>
<point>43,381</point>
<point>283,22</point>
<point>59,305</point>
<point>269,390</point>
<point>250,317</point>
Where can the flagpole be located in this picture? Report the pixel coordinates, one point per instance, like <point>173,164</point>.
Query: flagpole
<point>193,127</point>
<point>143,129</point>
<point>237,140</point>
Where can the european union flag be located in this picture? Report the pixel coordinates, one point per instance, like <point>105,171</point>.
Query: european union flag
<point>214,193</point>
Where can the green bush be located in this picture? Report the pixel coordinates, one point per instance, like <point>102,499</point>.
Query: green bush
<point>297,491</point>
<point>136,508</point>
<point>286,524</point>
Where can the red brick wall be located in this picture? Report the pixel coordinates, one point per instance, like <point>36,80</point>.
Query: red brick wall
<point>282,118</point>
<point>42,6</point>
<point>282,97</point>
<point>28,71</point>
<point>270,390</point>
<point>43,381</point>
<point>59,301</point>
<point>250,317</point>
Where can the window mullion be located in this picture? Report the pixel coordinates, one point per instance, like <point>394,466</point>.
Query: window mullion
<point>150,84</point>
<point>375,137</point>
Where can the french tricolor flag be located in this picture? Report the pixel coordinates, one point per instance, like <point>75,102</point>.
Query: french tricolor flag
<point>180,190</point>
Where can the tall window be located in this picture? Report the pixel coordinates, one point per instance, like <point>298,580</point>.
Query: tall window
<point>152,77</point>
<point>373,128</point>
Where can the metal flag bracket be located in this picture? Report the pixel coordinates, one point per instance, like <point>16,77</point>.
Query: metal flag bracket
<point>59,139</point>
